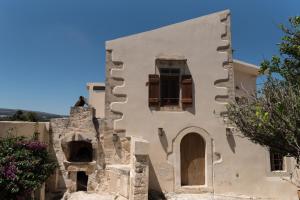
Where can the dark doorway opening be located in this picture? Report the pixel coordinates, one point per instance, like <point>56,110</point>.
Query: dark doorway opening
<point>82,180</point>
<point>80,151</point>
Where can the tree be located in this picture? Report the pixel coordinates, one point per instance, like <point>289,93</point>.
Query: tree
<point>271,117</point>
<point>287,65</point>
<point>25,116</point>
<point>19,116</point>
<point>32,117</point>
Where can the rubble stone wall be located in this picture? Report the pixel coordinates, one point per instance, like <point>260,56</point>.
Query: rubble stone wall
<point>80,126</point>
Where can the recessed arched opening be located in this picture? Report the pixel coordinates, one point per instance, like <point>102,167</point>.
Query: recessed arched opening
<point>192,158</point>
<point>80,151</point>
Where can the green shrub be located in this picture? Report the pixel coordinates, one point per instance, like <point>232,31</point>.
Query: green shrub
<point>24,166</point>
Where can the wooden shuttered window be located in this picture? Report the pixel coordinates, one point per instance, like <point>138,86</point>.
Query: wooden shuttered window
<point>186,91</point>
<point>153,84</point>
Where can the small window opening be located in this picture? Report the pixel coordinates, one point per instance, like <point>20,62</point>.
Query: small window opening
<point>276,160</point>
<point>98,89</point>
<point>169,86</point>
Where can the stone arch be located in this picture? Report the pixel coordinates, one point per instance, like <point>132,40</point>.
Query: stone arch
<point>175,158</point>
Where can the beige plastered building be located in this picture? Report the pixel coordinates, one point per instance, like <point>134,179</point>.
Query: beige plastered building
<point>158,129</point>
<point>170,86</point>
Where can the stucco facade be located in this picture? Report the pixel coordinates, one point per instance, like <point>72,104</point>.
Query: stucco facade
<point>96,97</point>
<point>158,125</point>
<point>233,165</point>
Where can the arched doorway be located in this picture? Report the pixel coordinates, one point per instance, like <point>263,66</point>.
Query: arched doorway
<point>192,158</point>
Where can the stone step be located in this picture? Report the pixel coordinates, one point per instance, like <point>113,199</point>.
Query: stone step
<point>189,197</point>
<point>207,196</point>
<point>90,196</point>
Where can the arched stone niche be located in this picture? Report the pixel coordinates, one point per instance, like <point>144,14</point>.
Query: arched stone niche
<point>73,143</point>
<point>175,154</point>
<point>79,151</point>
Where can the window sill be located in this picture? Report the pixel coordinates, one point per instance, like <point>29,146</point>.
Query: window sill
<point>170,108</point>
<point>282,173</point>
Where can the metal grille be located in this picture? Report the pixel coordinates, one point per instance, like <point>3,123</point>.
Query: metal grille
<point>276,160</point>
<point>169,86</point>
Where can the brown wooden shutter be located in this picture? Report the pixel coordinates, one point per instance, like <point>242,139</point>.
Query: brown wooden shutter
<point>153,90</point>
<point>186,91</point>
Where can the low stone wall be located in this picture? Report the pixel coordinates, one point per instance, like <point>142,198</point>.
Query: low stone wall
<point>139,174</point>
<point>128,181</point>
<point>119,178</point>
<point>26,129</point>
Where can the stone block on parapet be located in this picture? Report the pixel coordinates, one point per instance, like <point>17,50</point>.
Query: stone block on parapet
<point>80,111</point>
<point>139,146</point>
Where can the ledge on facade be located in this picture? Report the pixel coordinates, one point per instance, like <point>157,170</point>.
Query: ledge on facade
<point>196,189</point>
<point>139,146</point>
<point>85,137</point>
<point>170,57</point>
<point>80,166</point>
<point>122,169</point>
<point>245,67</point>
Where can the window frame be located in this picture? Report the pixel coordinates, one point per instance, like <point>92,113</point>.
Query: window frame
<point>273,159</point>
<point>287,166</point>
<point>181,66</point>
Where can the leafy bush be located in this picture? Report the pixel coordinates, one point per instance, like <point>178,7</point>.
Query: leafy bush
<point>24,166</point>
<point>271,117</point>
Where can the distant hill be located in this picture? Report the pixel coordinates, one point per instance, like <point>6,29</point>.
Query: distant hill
<point>42,116</point>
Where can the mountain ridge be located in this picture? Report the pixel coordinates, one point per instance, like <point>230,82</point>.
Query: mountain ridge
<point>6,112</point>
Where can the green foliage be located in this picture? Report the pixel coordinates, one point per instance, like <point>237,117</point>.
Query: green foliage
<point>19,116</point>
<point>287,65</point>
<point>24,166</point>
<point>271,118</point>
<point>32,117</point>
<point>24,116</point>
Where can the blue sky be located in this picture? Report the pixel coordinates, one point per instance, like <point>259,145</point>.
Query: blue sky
<point>50,49</point>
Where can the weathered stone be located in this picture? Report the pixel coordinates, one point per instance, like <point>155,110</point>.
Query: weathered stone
<point>80,126</point>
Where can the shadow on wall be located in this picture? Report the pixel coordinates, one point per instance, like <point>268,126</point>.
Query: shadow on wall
<point>186,70</point>
<point>97,126</point>
<point>231,142</point>
<point>55,185</point>
<point>163,139</point>
<point>155,191</point>
<point>118,145</point>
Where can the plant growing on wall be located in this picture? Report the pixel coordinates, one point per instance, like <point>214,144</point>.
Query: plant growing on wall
<point>271,118</point>
<point>24,166</point>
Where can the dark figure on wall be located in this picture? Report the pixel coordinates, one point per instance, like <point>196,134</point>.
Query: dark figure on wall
<point>81,102</point>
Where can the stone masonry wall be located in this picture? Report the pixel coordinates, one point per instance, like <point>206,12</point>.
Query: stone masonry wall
<point>139,178</point>
<point>80,126</point>
<point>139,173</point>
<point>116,150</point>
